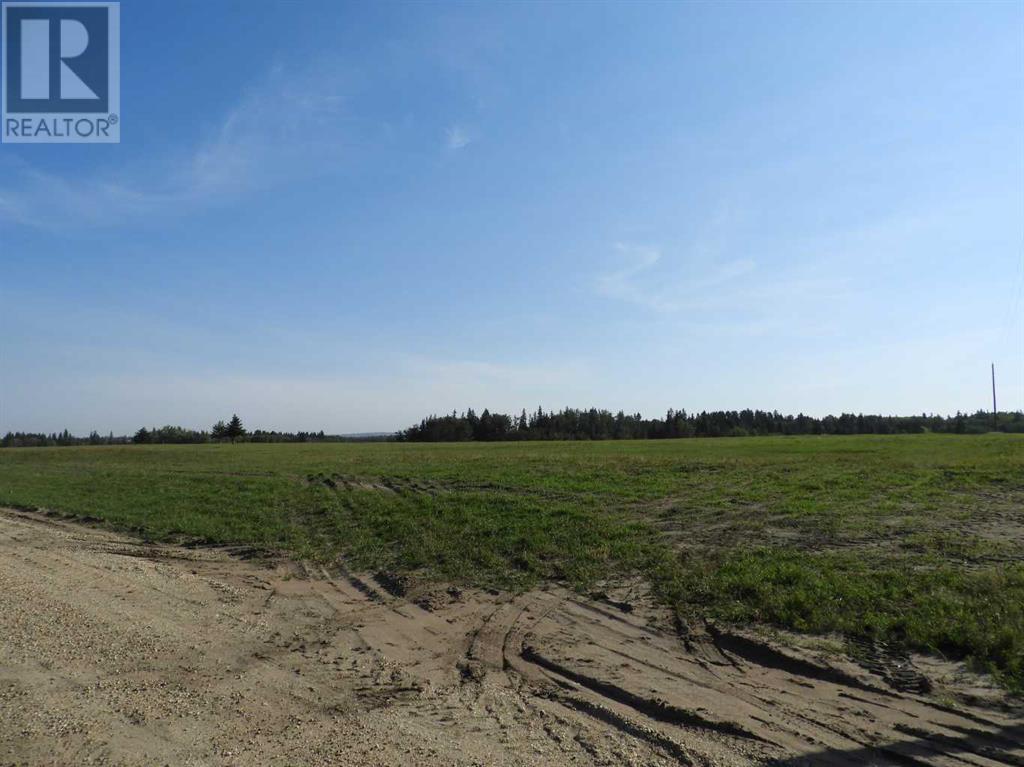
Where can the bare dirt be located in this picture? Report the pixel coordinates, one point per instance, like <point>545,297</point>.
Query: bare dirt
<point>118,652</point>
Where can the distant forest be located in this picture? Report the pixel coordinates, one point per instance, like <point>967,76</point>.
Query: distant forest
<point>567,424</point>
<point>232,431</point>
<point>570,424</point>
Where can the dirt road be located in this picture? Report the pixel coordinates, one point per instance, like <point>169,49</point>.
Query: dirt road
<point>117,652</point>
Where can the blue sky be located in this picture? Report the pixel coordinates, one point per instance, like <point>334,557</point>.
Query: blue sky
<point>347,216</point>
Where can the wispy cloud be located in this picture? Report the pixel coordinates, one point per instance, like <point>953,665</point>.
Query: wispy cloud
<point>457,137</point>
<point>288,125</point>
<point>625,283</point>
<point>285,127</point>
<point>640,281</point>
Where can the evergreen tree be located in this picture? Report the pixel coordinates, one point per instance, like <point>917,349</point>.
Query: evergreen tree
<point>235,429</point>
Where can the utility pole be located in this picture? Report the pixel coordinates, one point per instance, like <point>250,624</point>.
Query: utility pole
<point>995,410</point>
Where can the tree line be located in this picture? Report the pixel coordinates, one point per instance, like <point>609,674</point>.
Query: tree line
<point>572,424</point>
<point>567,424</point>
<point>231,431</point>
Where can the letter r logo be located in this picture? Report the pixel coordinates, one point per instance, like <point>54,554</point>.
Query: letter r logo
<point>36,63</point>
<point>60,72</point>
<point>57,58</point>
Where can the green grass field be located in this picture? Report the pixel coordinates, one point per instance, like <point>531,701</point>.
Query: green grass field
<point>912,539</point>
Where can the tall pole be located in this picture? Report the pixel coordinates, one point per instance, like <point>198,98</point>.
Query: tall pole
<point>995,411</point>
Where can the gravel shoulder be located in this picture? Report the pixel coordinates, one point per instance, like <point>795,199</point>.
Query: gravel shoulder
<point>118,652</point>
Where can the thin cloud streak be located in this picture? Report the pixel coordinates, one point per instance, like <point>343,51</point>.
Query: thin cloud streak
<point>639,283</point>
<point>287,127</point>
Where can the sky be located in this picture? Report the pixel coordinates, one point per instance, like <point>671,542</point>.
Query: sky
<point>347,216</point>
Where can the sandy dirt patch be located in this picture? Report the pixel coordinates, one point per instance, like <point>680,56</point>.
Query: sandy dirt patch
<point>117,652</point>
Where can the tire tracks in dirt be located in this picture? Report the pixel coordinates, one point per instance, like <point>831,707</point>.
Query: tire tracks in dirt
<point>120,652</point>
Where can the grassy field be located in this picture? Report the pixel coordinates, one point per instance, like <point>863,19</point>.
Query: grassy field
<point>917,540</point>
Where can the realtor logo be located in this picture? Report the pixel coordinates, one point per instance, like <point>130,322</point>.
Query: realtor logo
<point>61,73</point>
